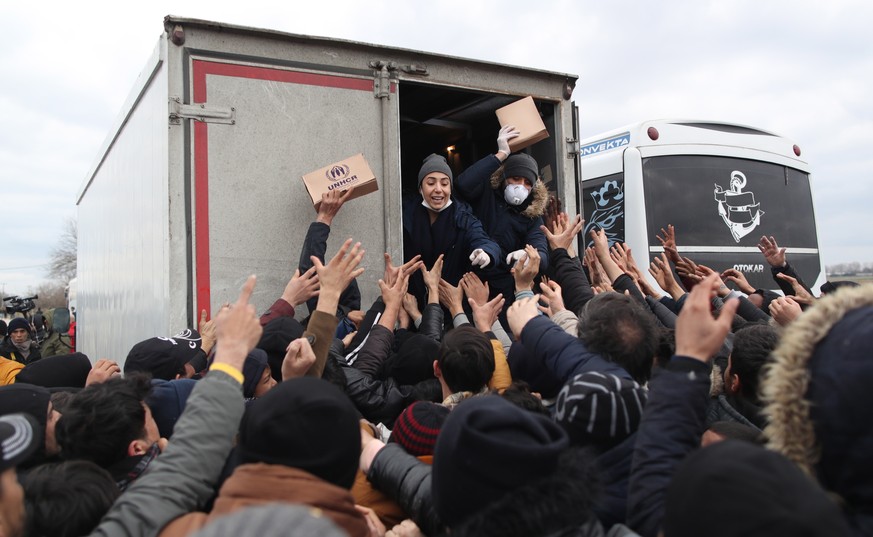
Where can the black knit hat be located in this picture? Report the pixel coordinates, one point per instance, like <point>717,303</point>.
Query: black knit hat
<point>62,371</point>
<point>737,488</point>
<point>27,399</point>
<point>487,448</point>
<point>417,427</point>
<point>19,438</point>
<point>278,333</point>
<point>304,423</point>
<point>600,409</point>
<point>434,163</point>
<point>163,357</point>
<point>521,165</point>
<point>253,370</point>
<point>413,362</point>
<point>16,324</point>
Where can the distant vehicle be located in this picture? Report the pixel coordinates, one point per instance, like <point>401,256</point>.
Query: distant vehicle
<point>722,185</point>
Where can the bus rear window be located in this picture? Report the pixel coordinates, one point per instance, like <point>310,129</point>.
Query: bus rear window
<point>721,201</point>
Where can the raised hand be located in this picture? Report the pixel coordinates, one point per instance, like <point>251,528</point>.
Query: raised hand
<point>299,358</point>
<point>301,287</point>
<point>698,334</point>
<point>410,304</point>
<point>506,134</point>
<point>331,202</point>
<point>474,288</point>
<point>663,274</point>
<point>738,278</point>
<point>553,210</point>
<point>551,295</point>
<point>337,275</point>
<point>207,333</point>
<point>563,235</point>
<point>801,295</point>
<point>785,310</point>
<point>451,297</point>
<point>102,371</point>
<point>772,252</point>
<point>237,329</point>
<point>432,276</point>
<point>526,269</point>
<point>667,238</point>
<point>408,268</point>
<point>486,313</point>
<point>520,312</point>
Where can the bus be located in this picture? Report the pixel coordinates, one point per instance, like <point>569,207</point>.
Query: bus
<point>722,185</point>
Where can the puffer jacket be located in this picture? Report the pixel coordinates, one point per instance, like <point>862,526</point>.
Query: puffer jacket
<point>510,227</point>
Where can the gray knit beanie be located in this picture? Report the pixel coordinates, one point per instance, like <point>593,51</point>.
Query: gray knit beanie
<point>521,165</point>
<point>434,163</point>
<point>273,520</point>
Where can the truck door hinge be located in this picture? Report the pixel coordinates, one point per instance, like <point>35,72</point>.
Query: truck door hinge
<point>201,112</point>
<point>572,147</point>
<point>382,78</point>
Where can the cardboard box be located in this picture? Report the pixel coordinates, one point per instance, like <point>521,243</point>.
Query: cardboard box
<point>343,175</point>
<point>523,115</point>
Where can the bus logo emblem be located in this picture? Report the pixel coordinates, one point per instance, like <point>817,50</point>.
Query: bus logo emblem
<point>737,208</point>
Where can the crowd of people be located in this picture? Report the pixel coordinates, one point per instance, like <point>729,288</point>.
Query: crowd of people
<point>502,384</point>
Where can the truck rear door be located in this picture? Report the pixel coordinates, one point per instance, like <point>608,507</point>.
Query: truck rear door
<point>250,208</point>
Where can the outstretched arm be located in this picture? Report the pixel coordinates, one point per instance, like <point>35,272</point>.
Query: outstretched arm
<point>183,477</point>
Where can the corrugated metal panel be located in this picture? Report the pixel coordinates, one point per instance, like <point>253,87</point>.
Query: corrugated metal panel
<point>123,234</point>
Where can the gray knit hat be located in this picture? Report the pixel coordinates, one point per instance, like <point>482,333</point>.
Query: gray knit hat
<point>521,165</point>
<point>600,409</point>
<point>273,520</point>
<point>434,163</point>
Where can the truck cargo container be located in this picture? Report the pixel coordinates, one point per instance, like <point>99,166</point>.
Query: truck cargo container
<point>199,181</point>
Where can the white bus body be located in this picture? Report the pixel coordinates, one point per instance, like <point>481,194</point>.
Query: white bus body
<point>722,185</point>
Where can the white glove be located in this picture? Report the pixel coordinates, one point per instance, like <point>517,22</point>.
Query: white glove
<point>479,258</point>
<point>506,134</point>
<point>514,256</point>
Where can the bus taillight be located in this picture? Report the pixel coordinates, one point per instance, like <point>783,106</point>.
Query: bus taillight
<point>797,150</point>
<point>653,134</point>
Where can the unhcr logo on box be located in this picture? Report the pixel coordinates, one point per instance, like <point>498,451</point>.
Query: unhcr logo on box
<point>337,172</point>
<point>602,146</point>
<point>338,175</point>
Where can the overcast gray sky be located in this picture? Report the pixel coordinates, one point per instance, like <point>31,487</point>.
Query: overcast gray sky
<point>801,69</point>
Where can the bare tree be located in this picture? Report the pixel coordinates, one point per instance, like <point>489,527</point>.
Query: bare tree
<point>62,265</point>
<point>51,295</point>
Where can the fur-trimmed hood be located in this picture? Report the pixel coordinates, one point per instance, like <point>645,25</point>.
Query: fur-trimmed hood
<point>817,395</point>
<point>539,193</point>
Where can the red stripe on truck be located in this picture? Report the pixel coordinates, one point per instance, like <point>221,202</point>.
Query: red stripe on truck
<point>200,70</point>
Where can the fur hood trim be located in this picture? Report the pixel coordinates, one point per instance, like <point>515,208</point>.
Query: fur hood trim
<point>539,192</point>
<point>785,380</point>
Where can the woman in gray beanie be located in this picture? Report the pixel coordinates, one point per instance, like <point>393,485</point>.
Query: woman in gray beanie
<point>435,224</point>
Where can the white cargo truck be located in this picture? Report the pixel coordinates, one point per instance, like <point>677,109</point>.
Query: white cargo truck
<point>199,182</point>
<point>722,186</point>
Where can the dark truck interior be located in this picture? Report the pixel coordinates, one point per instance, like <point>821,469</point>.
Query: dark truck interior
<point>461,126</point>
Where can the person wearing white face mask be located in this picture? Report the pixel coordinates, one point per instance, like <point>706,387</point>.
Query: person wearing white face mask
<point>509,198</point>
<point>434,224</point>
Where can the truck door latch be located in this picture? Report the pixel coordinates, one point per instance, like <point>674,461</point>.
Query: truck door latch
<point>225,115</point>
